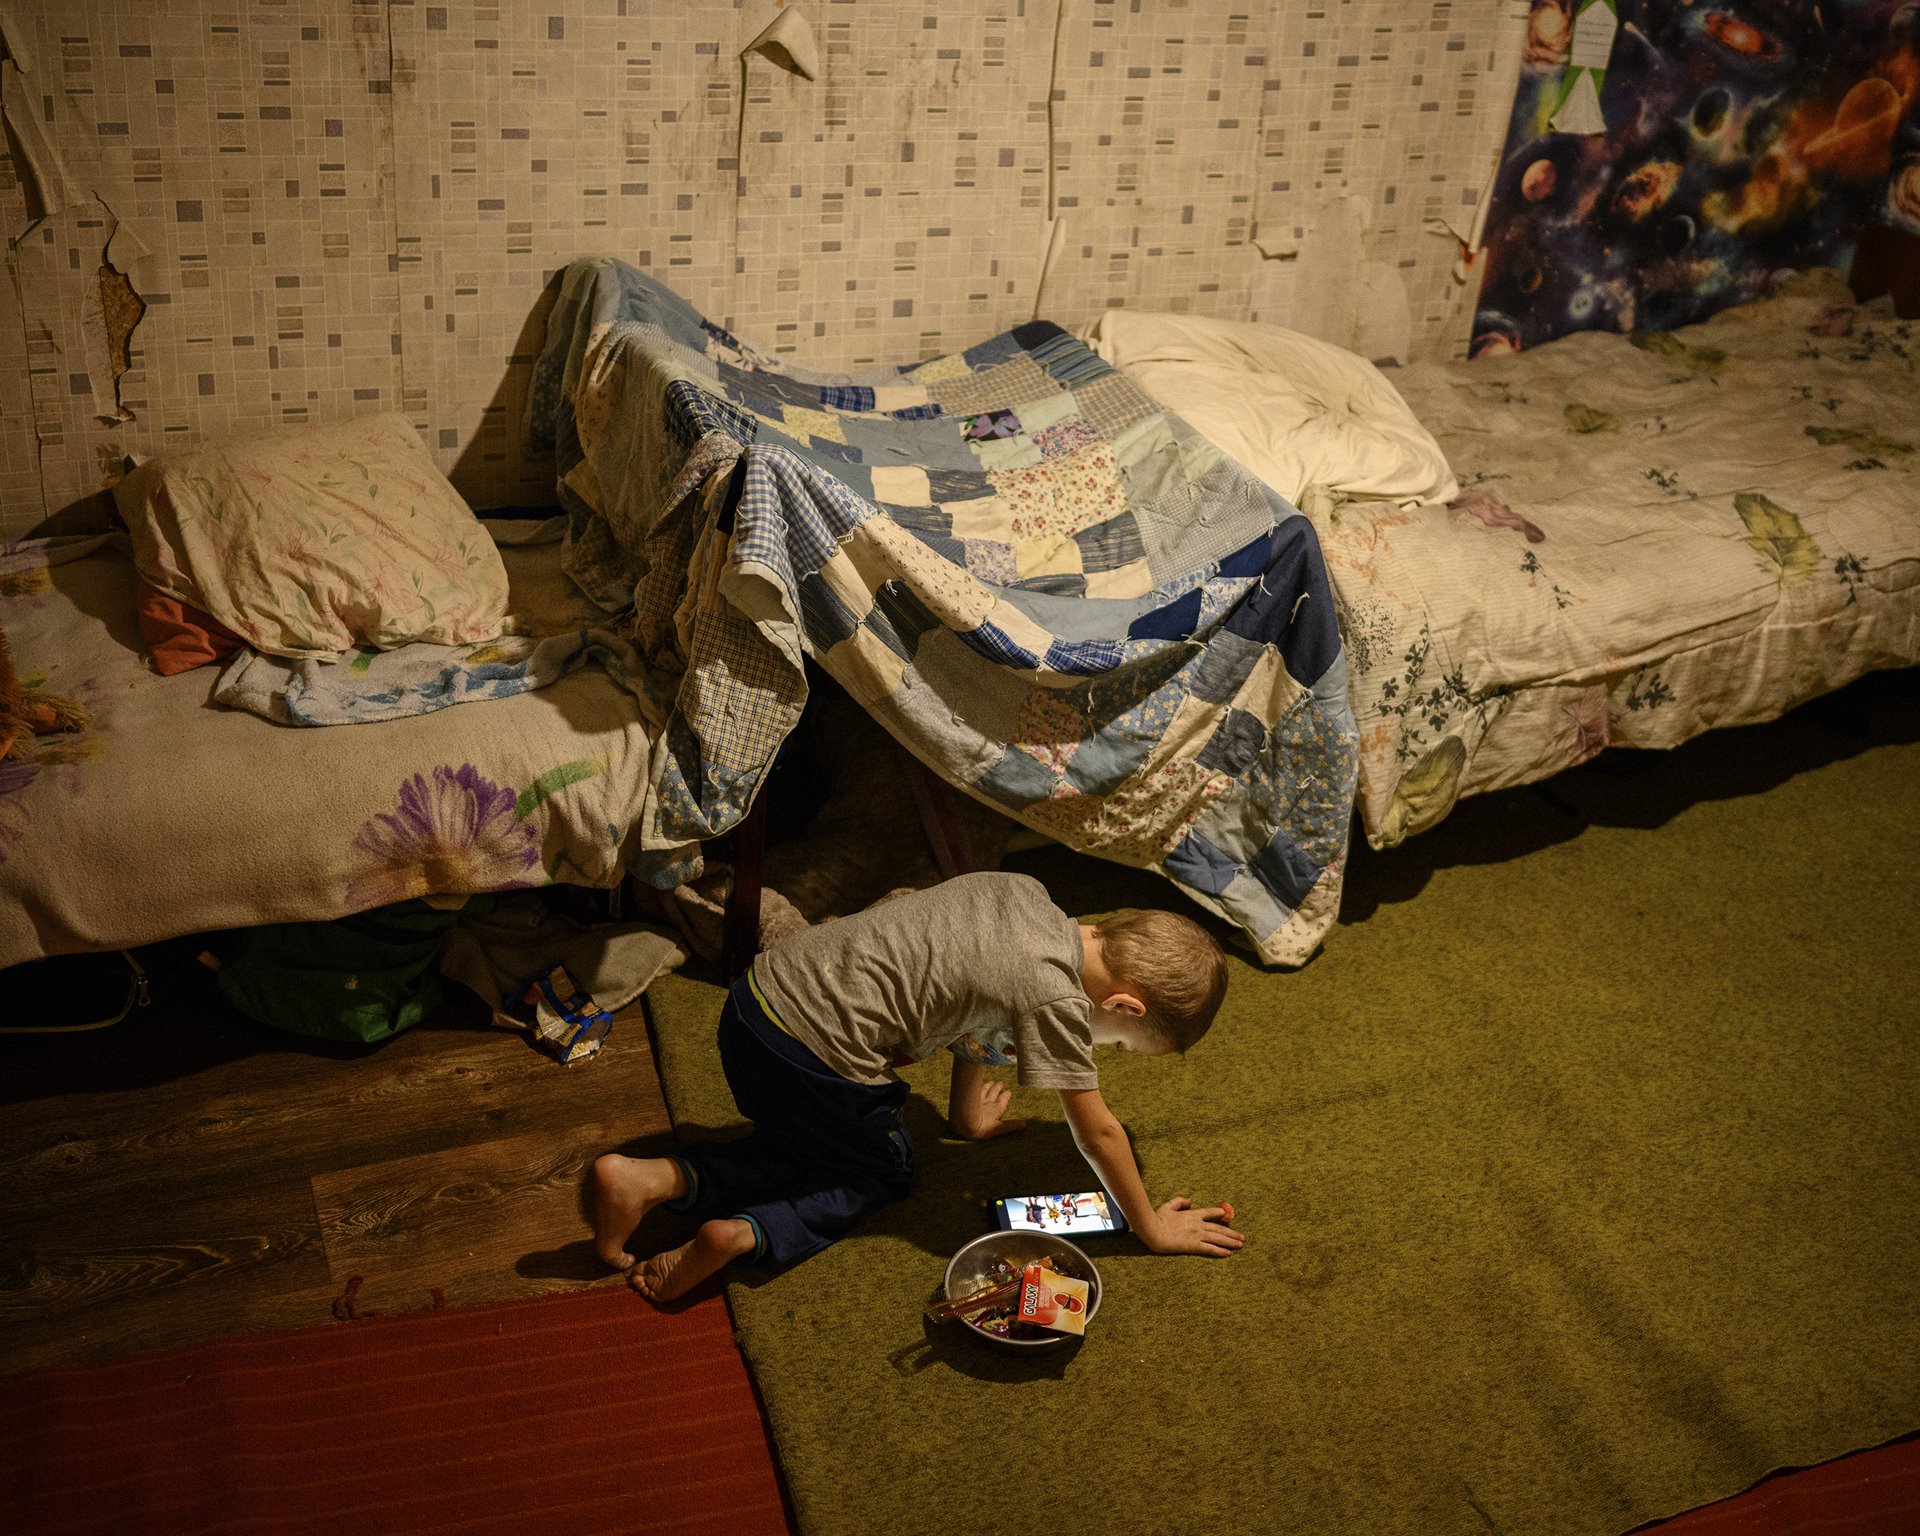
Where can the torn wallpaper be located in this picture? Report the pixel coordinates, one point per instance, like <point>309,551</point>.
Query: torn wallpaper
<point>357,206</point>
<point>1735,139</point>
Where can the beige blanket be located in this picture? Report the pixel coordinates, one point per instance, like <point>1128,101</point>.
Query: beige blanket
<point>1657,535</point>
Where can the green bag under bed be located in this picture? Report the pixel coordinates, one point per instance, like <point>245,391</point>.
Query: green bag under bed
<point>360,978</point>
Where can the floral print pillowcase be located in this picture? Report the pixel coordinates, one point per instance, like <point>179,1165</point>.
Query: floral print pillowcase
<point>310,541</point>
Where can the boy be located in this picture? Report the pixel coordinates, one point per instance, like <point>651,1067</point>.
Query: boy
<point>984,966</point>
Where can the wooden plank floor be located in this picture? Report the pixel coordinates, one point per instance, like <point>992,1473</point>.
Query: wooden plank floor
<point>188,1174</point>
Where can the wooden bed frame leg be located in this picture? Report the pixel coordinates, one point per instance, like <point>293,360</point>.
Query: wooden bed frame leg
<point>741,934</point>
<point>943,827</point>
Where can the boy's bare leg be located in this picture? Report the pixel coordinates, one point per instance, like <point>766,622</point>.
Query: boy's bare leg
<point>677,1271</point>
<point>624,1190</point>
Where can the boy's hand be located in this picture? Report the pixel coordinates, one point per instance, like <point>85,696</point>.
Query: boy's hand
<point>980,1115</point>
<point>1179,1228</point>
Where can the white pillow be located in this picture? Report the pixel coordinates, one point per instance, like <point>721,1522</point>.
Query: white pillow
<point>1294,410</point>
<point>309,541</point>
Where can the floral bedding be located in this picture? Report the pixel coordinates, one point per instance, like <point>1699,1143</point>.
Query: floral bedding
<point>151,813</point>
<point>1657,534</point>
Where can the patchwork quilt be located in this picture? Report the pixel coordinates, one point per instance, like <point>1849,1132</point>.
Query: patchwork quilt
<point>1052,591</point>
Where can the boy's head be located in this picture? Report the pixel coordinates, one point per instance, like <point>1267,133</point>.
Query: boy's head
<point>1168,967</point>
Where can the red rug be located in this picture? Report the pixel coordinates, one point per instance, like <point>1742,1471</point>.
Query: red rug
<point>1871,1493</point>
<point>571,1414</point>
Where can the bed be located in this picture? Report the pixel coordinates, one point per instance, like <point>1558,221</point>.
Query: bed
<point>1041,573</point>
<point>157,813</point>
<point>1652,535</point>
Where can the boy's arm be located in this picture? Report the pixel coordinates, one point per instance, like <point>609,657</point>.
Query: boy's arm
<point>1175,1227</point>
<point>977,1104</point>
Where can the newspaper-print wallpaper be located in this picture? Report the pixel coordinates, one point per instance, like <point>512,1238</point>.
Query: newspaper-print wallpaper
<point>232,214</point>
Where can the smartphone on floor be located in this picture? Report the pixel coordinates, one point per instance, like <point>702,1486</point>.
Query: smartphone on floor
<point>1086,1214</point>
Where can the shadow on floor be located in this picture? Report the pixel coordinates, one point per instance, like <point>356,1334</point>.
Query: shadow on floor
<point>1628,787</point>
<point>1623,787</point>
<point>188,1029</point>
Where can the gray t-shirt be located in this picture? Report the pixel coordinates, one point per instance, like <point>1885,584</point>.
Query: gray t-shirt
<point>983,965</point>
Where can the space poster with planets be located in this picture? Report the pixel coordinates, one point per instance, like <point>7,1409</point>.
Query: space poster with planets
<point>1737,138</point>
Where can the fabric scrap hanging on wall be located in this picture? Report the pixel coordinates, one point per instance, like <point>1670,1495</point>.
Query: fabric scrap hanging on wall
<point>1723,144</point>
<point>110,310</point>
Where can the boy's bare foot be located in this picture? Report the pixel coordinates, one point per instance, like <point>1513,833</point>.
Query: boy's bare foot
<point>624,1190</point>
<point>668,1275</point>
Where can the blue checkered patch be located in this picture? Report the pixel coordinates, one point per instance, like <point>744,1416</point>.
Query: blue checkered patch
<point>846,397</point>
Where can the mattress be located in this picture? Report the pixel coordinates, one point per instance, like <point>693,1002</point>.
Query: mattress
<point>1656,535</point>
<point>159,814</point>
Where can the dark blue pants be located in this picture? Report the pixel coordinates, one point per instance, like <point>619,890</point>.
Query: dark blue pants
<point>823,1151</point>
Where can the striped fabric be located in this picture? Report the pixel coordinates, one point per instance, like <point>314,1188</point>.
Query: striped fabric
<point>573,1414</point>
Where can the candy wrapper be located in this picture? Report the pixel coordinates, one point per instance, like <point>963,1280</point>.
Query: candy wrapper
<point>1051,1300</point>
<point>567,1024</point>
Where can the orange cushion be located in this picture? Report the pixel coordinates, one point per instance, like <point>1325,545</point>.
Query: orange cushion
<point>178,636</point>
<point>12,706</point>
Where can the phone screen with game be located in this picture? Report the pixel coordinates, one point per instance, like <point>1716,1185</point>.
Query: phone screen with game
<point>1078,1215</point>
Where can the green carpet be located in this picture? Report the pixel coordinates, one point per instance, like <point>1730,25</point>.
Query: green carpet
<point>1580,1172</point>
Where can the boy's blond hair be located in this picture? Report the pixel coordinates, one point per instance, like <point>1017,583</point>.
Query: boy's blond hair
<point>1175,966</point>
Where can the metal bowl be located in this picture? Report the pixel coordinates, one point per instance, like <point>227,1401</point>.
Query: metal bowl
<point>970,1268</point>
